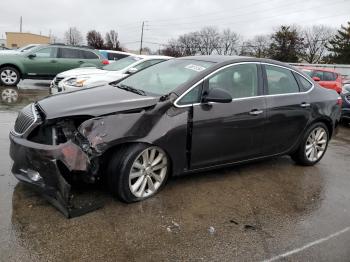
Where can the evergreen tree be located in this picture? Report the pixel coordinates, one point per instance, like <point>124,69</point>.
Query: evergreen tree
<point>287,45</point>
<point>339,45</point>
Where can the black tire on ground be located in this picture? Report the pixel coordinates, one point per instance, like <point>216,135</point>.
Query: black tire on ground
<point>299,156</point>
<point>119,167</point>
<point>14,76</point>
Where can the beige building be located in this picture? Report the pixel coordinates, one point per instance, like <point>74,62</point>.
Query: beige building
<point>17,40</point>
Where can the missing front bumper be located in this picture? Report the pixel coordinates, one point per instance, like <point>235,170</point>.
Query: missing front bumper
<point>37,165</point>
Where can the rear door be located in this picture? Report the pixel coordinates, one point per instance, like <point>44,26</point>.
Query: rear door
<point>69,58</point>
<point>288,108</point>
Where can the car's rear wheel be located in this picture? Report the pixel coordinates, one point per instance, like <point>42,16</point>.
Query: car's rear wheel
<point>9,76</point>
<point>313,145</point>
<point>137,172</point>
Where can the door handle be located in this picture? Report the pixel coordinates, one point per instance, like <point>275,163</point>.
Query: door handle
<point>53,61</point>
<point>255,112</point>
<point>80,62</point>
<point>304,104</point>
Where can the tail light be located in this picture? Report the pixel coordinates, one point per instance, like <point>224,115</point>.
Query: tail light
<point>105,62</point>
<point>339,101</point>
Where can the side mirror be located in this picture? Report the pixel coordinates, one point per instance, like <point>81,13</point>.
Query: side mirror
<point>315,78</point>
<point>31,56</point>
<point>131,70</point>
<point>218,95</point>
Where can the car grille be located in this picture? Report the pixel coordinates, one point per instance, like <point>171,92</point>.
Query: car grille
<point>27,117</point>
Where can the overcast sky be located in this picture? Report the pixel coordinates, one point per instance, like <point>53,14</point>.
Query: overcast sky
<point>167,18</point>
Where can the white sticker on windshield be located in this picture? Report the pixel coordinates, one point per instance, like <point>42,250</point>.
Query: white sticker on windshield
<point>195,67</point>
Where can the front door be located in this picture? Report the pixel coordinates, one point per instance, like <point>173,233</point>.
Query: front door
<point>230,132</point>
<point>43,64</point>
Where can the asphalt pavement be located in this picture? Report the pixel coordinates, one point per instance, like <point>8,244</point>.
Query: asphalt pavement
<point>270,210</point>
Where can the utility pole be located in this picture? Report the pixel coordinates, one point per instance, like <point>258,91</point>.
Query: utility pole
<point>143,25</point>
<point>20,24</point>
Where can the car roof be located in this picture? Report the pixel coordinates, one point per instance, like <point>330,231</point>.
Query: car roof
<point>223,59</point>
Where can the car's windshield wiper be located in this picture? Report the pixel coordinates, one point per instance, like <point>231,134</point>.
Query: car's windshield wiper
<point>131,89</point>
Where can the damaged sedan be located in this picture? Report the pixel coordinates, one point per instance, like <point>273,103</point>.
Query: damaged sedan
<point>180,116</point>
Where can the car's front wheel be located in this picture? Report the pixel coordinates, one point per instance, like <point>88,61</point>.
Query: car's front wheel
<point>9,76</point>
<point>137,172</point>
<point>313,145</point>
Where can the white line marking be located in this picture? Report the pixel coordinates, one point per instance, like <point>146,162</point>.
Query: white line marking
<point>297,250</point>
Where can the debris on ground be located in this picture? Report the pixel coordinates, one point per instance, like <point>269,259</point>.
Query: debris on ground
<point>211,230</point>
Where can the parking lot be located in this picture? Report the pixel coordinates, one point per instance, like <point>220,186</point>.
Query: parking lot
<point>269,210</point>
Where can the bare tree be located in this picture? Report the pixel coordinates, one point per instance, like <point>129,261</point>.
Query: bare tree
<point>257,47</point>
<point>209,38</point>
<point>228,43</point>
<point>112,41</point>
<point>316,39</point>
<point>73,36</point>
<point>94,39</point>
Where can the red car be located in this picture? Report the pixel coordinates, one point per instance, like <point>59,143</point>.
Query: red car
<point>325,77</point>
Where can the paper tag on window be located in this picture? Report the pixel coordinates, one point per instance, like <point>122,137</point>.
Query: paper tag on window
<point>195,67</point>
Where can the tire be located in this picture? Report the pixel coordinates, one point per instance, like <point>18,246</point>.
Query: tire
<point>132,160</point>
<point>9,76</point>
<point>312,146</point>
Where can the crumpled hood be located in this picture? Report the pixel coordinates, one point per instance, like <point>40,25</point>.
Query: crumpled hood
<point>81,71</point>
<point>94,101</point>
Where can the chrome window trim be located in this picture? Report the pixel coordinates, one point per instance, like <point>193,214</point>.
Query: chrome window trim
<point>242,98</point>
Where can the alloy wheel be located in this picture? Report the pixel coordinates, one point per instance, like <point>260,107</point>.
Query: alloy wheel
<point>9,95</point>
<point>148,172</point>
<point>316,144</point>
<point>8,76</point>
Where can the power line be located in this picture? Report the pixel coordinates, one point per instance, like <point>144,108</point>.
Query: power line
<point>244,15</point>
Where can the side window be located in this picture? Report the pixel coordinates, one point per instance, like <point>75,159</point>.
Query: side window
<point>89,55</point>
<point>329,76</point>
<point>115,56</point>
<point>239,80</point>
<point>192,97</point>
<point>318,74</point>
<point>70,53</point>
<point>305,85</point>
<point>45,53</point>
<point>280,81</point>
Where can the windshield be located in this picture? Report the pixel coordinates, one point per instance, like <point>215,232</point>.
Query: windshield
<point>122,63</point>
<point>165,77</point>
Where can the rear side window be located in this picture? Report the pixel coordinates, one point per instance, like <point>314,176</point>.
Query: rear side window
<point>280,81</point>
<point>89,55</point>
<point>325,76</point>
<point>115,56</point>
<point>70,53</point>
<point>304,84</point>
<point>329,76</point>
